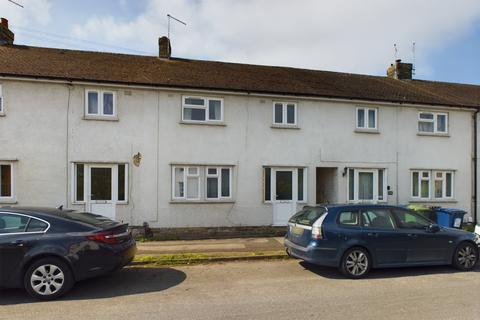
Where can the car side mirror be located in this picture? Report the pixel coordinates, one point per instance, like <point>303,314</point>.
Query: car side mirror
<point>433,228</point>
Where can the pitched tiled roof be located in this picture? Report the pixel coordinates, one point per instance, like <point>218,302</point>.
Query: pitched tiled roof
<point>47,63</point>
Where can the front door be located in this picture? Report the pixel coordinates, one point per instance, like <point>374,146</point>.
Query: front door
<point>102,191</point>
<point>284,186</point>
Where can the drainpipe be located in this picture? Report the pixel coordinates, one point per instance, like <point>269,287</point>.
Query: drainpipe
<point>475,156</point>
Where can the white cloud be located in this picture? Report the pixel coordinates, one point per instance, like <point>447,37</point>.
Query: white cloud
<point>34,12</point>
<point>345,35</point>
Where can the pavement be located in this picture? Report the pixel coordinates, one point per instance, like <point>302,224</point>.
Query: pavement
<point>277,289</point>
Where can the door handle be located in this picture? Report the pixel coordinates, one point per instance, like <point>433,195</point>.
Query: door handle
<point>372,234</point>
<point>412,235</point>
<point>18,243</point>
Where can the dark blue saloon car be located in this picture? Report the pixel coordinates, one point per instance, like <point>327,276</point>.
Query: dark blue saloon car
<point>356,238</point>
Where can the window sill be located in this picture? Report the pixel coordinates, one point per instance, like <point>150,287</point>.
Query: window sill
<point>204,123</point>
<point>2,114</point>
<point>433,201</point>
<point>201,201</point>
<point>8,201</point>
<point>101,118</point>
<point>285,126</point>
<point>370,131</point>
<point>431,134</point>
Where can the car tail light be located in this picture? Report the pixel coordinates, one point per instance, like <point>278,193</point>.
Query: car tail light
<point>105,237</point>
<point>317,233</point>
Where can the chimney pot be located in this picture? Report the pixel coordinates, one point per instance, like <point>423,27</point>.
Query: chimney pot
<point>164,48</point>
<point>6,35</point>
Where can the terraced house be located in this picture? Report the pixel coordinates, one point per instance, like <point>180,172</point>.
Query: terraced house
<point>188,143</point>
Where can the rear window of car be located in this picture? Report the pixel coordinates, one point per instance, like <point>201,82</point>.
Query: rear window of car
<point>88,218</point>
<point>308,216</point>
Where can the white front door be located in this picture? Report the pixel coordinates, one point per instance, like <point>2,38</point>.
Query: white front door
<point>102,190</point>
<point>284,191</point>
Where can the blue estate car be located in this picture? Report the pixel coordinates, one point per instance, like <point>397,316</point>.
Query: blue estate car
<point>355,238</point>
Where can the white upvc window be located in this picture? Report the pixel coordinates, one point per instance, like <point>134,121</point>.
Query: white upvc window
<point>101,103</point>
<point>202,183</point>
<point>432,184</point>
<point>285,113</point>
<point>7,187</point>
<point>202,109</point>
<point>2,109</point>
<point>366,118</point>
<point>367,185</point>
<point>433,122</point>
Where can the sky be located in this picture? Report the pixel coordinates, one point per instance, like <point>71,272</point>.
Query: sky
<point>355,36</point>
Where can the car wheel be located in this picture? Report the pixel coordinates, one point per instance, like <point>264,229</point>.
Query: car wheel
<point>48,279</point>
<point>355,263</point>
<point>466,256</point>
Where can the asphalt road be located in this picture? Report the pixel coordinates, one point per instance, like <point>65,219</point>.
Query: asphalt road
<point>259,290</point>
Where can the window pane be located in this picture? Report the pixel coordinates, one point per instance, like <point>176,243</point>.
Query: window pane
<point>108,103</point>
<point>92,102</point>
<point>409,220</point>
<point>300,184</point>
<point>212,187</point>
<point>212,171</point>
<point>179,187</point>
<point>101,183</point>
<point>371,118</point>
<point>290,113</point>
<point>5,180</point>
<point>308,216</point>
<point>193,171</point>
<point>380,184</point>
<point>365,186</point>
<point>425,126</point>
<point>415,184</point>
<point>121,182</point>
<point>428,116</point>
<point>192,188</point>
<point>377,218</point>
<point>267,186</point>
<point>10,223</point>
<point>441,123</point>
<point>449,185</point>
<point>214,110</point>
<point>79,182</point>
<point>195,101</point>
<point>351,184</point>
<point>438,188</point>
<point>284,185</point>
<point>278,113</point>
<point>425,185</point>
<point>1,104</point>
<point>348,218</point>
<point>361,118</point>
<point>194,114</point>
<point>36,226</point>
<point>225,182</point>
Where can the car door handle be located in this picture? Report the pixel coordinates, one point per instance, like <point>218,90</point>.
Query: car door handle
<point>412,235</point>
<point>18,243</point>
<point>372,234</point>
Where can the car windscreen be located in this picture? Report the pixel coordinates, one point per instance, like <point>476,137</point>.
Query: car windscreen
<point>88,218</point>
<point>308,216</point>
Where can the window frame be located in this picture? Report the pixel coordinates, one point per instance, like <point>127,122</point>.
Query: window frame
<point>284,113</point>
<point>366,118</point>
<point>12,197</point>
<point>434,121</point>
<point>375,191</point>
<point>26,226</point>
<point>2,99</point>
<point>206,107</point>
<point>271,188</point>
<point>432,178</point>
<point>101,107</point>
<point>219,177</point>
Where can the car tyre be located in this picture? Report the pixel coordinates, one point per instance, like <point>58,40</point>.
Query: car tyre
<point>356,263</point>
<point>48,279</point>
<point>465,257</point>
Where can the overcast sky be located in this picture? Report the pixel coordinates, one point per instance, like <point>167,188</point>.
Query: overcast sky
<point>339,35</point>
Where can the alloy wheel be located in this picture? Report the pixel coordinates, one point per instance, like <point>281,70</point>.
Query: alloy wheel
<point>47,279</point>
<point>356,263</point>
<point>467,257</point>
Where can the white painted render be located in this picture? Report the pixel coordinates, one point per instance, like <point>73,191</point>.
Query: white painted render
<point>44,131</point>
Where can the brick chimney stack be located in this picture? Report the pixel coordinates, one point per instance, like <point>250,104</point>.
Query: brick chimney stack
<point>6,35</point>
<point>400,70</point>
<point>164,48</point>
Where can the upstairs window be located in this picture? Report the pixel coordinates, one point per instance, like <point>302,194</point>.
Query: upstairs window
<point>202,109</point>
<point>367,118</point>
<point>433,122</point>
<point>2,110</point>
<point>285,113</point>
<point>100,103</point>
